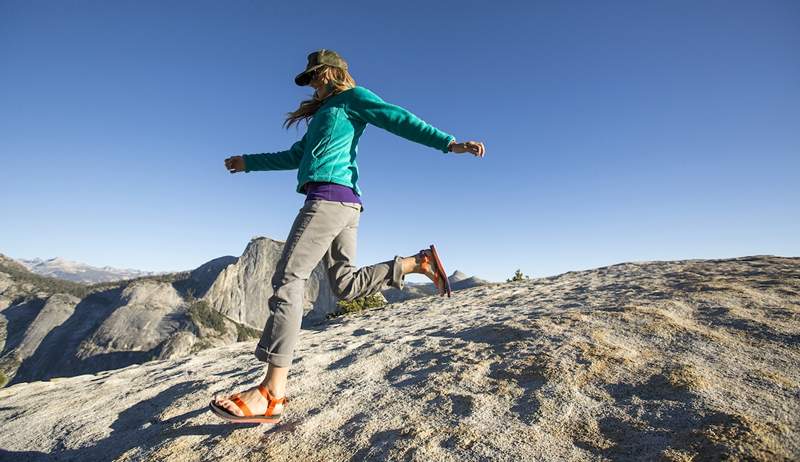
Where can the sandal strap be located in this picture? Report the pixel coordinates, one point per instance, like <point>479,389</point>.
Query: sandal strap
<point>271,400</point>
<point>238,401</point>
<point>427,264</point>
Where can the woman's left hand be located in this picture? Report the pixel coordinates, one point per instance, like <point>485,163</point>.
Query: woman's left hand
<point>475,148</point>
<point>235,164</point>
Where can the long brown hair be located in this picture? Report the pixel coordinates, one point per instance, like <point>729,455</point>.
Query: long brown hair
<point>338,80</point>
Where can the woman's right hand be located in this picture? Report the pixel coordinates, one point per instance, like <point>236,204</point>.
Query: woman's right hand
<point>234,164</point>
<point>475,148</point>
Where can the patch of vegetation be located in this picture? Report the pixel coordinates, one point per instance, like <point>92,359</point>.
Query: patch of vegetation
<point>168,278</point>
<point>201,313</point>
<point>518,276</point>
<point>9,365</point>
<point>245,333</point>
<point>358,304</point>
<point>201,345</point>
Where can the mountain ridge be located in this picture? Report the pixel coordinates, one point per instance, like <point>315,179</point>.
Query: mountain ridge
<point>70,270</point>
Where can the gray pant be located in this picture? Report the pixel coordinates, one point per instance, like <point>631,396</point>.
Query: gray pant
<point>322,229</point>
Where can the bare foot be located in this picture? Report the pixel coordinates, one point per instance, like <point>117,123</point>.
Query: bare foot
<point>254,401</point>
<point>429,269</point>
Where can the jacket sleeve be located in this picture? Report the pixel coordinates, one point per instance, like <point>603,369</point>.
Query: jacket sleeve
<point>283,160</point>
<point>370,108</point>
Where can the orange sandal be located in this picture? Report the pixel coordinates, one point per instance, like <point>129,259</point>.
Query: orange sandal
<point>248,417</point>
<point>439,275</point>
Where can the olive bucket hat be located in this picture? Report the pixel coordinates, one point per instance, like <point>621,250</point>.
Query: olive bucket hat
<point>316,60</point>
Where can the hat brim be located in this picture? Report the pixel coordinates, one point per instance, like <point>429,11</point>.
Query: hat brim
<point>304,78</point>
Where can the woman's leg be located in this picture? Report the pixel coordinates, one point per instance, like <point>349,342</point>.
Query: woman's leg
<point>312,233</point>
<point>349,282</point>
<point>314,228</point>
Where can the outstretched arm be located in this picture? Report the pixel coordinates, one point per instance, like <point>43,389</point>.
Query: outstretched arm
<point>283,160</point>
<point>370,108</point>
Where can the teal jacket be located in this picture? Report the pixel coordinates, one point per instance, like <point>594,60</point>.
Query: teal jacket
<point>328,150</point>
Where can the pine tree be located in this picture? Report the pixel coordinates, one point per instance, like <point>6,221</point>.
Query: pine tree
<point>518,276</point>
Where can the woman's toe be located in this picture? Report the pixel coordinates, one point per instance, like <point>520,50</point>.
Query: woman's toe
<point>231,407</point>
<point>224,403</point>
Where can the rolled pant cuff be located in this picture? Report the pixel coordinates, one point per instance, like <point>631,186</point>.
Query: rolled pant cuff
<point>276,360</point>
<point>398,278</point>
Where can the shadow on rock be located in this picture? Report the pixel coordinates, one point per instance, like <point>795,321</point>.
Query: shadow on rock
<point>662,417</point>
<point>496,336</point>
<point>385,445</point>
<point>139,426</point>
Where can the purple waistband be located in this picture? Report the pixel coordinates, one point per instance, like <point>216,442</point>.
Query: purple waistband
<point>316,190</point>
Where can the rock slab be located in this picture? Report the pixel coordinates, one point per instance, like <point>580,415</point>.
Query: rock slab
<point>685,360</point>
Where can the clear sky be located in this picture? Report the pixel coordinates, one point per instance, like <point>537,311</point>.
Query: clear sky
<point>614,131</point>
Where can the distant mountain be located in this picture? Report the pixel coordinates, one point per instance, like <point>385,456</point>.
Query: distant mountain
<point>68,270</point>
<point>458,281</point>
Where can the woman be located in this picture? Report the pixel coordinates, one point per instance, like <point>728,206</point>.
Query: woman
<point>326,225</point>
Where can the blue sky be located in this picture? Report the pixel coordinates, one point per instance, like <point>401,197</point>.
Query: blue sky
<point>614,131</point>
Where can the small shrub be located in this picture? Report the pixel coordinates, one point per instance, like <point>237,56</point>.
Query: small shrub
<point>518,276</point>
<point>3,379</point>
<point>201,345</point>
<point>244,333</point>
<point>359,304</point>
